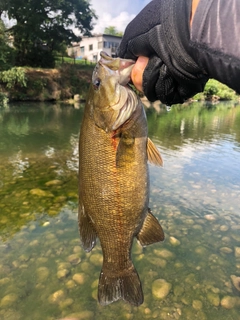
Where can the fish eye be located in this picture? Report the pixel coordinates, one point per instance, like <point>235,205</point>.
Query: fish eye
<point>96,83</point>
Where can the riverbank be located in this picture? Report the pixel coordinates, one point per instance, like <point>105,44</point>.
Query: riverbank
<point>59,84</point>
<point>71,80</point>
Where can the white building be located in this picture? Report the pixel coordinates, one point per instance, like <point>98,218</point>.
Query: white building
<point>90,47</point>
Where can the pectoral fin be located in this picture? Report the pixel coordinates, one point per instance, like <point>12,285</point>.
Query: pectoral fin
<point>153,154</point>
<point>88,234</point>
<point>151,230</point>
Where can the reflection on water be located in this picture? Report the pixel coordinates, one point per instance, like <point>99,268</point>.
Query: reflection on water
<point>194,274</point>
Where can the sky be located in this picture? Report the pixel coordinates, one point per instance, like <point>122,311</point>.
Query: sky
<point>117,13</point>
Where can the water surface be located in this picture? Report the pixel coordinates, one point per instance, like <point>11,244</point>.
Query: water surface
<point>44,273</point>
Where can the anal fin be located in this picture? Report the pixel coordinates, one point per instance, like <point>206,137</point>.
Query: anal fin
<point>87,232</point>
<point>151,230</point>
<point>153,154</point>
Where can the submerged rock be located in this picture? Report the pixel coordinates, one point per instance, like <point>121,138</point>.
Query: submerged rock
<point>66,303</point>
<point>226,250</point>
<point>236,282</point>
<point>158,262</point>
<point>224,228</point>
<point>164,253</point>
<point>178,291</point>
<point>62,273</point>
<point>42,274</point>
<point>201,250</point>
<point>161,288</point>
<point>236,237</point>
<point>96,259</point>
<point>74,259</point>
<point>197,304</point>
<point>83,315</point>
<point>77,249</point>
<point>12,315</point>
<point>8,300</point>
<point>4,281</point>
<point>174,242</point>
<point>213,298</point>
<point>64,265</point>
<point>237,252</point>
<point>79,278</point>
<point>70,284</point>
<point>210,217</point>
<point>41,193</point>
<point>228,302</point>
<point>56,297</point>
<point>53,183</point>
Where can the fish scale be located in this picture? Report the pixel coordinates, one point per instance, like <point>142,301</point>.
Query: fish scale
<point>114,182</point>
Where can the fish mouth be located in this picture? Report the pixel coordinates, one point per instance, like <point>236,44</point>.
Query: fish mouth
<point>122,66</point>
<point>128,100</point>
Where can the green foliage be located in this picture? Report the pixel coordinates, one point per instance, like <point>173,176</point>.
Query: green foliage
<point>3,100</point>
<point>211,88</point>
<point>12,77</point>
<point>76,79</point>
<point>113,31</point>
<point>6,52</point>
<point>42,26</point>
<point>216,89</point>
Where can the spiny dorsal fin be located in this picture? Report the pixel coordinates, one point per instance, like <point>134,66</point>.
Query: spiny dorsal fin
<point>151,230</point>
<point>153,154</point>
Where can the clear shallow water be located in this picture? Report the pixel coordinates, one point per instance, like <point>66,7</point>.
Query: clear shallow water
<point>44,273</point>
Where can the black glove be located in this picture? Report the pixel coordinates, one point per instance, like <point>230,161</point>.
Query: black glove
<point>161,32</point>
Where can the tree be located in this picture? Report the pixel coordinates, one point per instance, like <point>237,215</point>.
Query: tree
<point>43,25</point>
<point>113,31</point>
<point>6,52</point>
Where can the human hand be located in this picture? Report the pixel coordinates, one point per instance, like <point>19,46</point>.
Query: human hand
<point>158,39</point>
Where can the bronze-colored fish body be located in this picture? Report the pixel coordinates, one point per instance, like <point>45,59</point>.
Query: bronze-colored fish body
<point>113,179</point>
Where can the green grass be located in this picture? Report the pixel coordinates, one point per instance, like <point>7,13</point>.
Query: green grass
<point>69,60</point>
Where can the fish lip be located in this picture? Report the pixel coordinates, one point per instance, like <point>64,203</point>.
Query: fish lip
<point>123,67</point>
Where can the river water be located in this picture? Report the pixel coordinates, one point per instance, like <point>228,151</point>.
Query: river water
<point>193,274</point>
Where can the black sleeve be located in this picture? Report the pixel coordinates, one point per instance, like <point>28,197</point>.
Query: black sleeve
<point>215,40</point>
<point>161,32</point>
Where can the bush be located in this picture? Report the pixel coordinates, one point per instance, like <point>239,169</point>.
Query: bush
<point>216,90</point>
<point>211,89</point>
<point>12,77</point>
<point>3,100</point>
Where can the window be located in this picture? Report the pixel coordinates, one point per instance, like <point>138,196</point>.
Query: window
<point>107,44</point>
<point>90,47</point>
<point>82,49</point>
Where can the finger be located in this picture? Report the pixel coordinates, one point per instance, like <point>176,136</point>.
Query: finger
<point>137,72</point>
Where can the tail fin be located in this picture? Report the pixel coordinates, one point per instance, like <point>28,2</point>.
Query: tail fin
<point>126,286</point>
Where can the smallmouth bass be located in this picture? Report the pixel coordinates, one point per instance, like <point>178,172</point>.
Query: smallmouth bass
<point>113,179</point>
